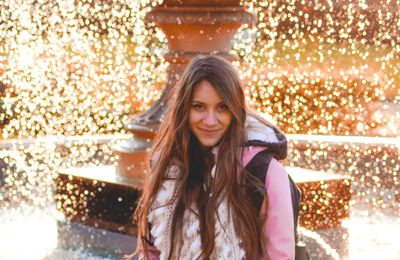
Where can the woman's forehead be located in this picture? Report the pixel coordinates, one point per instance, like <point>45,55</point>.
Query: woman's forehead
<point>204,91</point>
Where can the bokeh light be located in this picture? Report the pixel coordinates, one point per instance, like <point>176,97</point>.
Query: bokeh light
<point>73,72</point>
<point>76,67</point>
<point>325,67</point>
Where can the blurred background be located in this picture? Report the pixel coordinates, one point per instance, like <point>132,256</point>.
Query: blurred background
<point>73,73</point>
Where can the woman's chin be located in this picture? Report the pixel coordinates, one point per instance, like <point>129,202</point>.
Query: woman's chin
<point>208,143</point>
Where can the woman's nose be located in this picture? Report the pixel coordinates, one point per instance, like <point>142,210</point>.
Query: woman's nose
<point>210,118</point>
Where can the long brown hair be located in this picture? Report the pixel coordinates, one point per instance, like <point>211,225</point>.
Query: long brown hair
<point>175,144</point>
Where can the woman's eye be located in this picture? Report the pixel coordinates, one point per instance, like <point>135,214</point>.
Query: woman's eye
<point>223,107</point>
<point>197,106</point>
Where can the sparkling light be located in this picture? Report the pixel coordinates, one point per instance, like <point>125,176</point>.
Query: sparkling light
<point>30,227</point>
<point>81,68</point>
<point>331,64</point>
<point>77,67</point>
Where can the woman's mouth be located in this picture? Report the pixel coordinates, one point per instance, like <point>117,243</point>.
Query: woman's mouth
<point>209,131</point>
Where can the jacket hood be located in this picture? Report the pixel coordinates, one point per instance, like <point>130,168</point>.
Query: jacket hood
<point>262,133</point>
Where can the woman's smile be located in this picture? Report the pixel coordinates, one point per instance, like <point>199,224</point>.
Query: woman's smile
<point>209,131</point>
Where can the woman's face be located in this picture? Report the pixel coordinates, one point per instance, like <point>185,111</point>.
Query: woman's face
<point>209,117</point>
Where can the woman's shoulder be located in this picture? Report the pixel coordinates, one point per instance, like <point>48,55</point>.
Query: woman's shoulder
<point>173,169</point>
<point>257,156</point>
<point>276,173</point>
<point>262,134</point>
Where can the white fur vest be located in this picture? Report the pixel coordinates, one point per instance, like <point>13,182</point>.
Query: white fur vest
<point>227,243</point>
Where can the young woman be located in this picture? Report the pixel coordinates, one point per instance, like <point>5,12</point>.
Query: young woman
<point>196,203</point>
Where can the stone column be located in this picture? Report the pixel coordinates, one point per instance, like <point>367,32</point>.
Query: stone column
<point>192,27</point>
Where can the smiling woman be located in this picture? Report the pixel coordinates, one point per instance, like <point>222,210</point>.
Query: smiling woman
<point>198,200</point>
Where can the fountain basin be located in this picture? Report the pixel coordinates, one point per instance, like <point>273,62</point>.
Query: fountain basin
<point>325,199</point>
<point>99,197</point>
<point>109,199</point>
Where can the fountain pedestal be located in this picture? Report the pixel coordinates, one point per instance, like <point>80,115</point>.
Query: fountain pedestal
<point>192,28</point>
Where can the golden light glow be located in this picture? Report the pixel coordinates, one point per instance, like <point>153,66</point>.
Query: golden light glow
<point>81,68</point>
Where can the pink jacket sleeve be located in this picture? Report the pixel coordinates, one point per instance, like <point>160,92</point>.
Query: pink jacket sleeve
<point>279,225</point>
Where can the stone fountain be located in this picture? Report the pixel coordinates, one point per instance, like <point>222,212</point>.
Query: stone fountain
<point>192,28</point>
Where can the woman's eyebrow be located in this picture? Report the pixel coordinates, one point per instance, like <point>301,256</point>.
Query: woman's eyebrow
<point>201,102</point>
<point>197,101</point>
